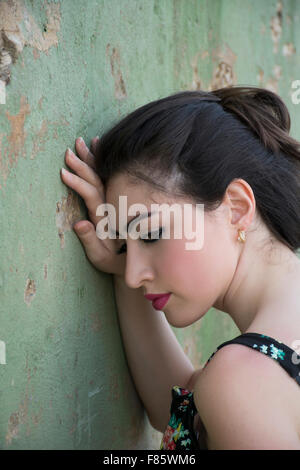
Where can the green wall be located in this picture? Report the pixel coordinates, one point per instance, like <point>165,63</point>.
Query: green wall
<point>76,67</point>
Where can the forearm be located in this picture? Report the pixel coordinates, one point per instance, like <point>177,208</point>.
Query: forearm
<point>155,357</point>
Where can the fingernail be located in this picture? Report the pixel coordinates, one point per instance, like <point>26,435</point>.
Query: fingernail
<point>65,172</point>
<point>71,154</point>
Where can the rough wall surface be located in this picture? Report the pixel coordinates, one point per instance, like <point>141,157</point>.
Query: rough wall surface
<point>69,69</point>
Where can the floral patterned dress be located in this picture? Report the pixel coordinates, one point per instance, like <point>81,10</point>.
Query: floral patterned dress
<point>179,434</point>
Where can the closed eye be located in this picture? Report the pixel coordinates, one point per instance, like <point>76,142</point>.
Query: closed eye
<point>156,236</point>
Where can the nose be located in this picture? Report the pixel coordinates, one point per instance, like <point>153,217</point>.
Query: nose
<point>138,268</point>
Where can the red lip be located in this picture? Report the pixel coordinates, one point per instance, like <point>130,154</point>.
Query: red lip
<point>154,296</point>
<point>158,300</point>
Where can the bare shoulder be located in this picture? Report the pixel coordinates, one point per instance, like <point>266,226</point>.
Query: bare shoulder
<point>247,401</point>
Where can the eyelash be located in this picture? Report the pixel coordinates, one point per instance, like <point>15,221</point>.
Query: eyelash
<point>145,240</point>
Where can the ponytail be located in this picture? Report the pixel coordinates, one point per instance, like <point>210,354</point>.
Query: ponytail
<point>265,114</point>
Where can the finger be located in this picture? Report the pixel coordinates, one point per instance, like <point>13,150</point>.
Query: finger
<point>92,197</point>
<point>96,250</point>
<point>93,146</point>
<point>84,153</point>
<point>85,231</point>
<point>83,170</point>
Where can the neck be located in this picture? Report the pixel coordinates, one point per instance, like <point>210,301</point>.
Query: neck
<point>263,295</point>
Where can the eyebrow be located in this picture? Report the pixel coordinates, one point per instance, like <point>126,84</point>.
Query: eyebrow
<point>138,217</point>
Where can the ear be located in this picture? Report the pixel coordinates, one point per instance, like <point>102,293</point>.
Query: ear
<point>240,200</point>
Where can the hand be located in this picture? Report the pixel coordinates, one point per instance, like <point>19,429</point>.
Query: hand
<point>101,253</point>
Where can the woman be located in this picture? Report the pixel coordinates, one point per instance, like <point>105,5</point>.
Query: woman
<point>229,150</point>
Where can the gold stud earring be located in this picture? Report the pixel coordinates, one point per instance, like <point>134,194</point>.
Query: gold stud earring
<point>242,236</point>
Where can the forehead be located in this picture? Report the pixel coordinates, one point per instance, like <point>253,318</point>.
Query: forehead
<point>149,200</point>
<point>136,192</point>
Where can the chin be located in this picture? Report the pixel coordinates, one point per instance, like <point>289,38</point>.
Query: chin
<point>182,320</point>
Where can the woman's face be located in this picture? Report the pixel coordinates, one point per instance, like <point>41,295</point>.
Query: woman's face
<point>196,279</point>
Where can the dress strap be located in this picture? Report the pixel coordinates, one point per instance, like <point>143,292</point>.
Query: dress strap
<point>180,430</point>
<point>280,352</point>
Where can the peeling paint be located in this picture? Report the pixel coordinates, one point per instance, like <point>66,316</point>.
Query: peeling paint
<point>272,82</point>
<point>14,37</point>
<point>196,83</point>
<point>14,16</point>
<point>272,85</point>
<point>9,51</point>
<point>288,49</point>
<point>17,136</point>
<point>5,63</point>
<point>21,416</point>
<point>276,27</point>
<point>120,90</point>
<point>36,54</point>
<point>67,213</point>
<point>40,138</point>
<point>277,71</point>
<point>30,291</point>
<point>223,74</point>
<point>13,427</point>
<point>16,139</point>
<point>260,76</point>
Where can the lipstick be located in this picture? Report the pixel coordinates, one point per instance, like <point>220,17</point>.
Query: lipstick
<point>158,300</point>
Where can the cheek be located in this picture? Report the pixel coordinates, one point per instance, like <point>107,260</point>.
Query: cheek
<point>198,273</point>
<point>194,272</point>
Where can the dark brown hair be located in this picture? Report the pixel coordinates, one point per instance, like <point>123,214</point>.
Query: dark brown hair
<point>204,140</point>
